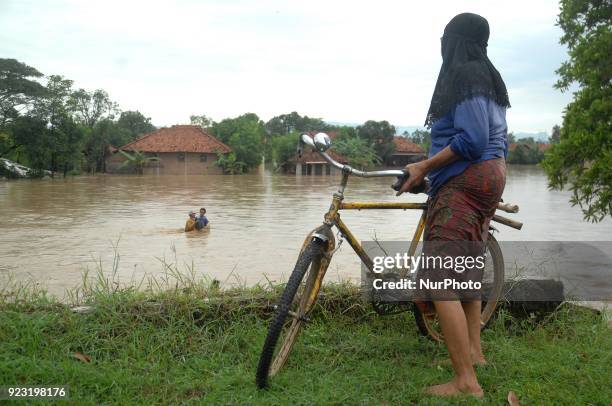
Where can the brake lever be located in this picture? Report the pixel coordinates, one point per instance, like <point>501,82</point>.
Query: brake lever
<point>400,181</point>
<point>403,179</point>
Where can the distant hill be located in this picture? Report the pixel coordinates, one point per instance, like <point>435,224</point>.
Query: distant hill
<point>338,123</point>
<point>541,136</point>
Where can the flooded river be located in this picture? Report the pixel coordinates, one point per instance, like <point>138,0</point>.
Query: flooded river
<point>51,230</point>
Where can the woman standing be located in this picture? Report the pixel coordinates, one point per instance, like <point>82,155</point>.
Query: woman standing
<point>467,173</point>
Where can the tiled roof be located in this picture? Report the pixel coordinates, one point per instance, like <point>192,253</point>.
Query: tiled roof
<point>403,146</point>
<point>178,138</point>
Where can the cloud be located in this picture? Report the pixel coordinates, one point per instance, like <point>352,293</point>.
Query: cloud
<point>343,61</point>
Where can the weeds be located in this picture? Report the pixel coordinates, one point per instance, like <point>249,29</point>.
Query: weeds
<point>184,338</point>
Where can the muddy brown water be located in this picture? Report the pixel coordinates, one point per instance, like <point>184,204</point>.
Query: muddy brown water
<point>51,230</point>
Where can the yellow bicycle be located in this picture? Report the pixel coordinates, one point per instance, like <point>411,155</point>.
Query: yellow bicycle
<point>300,294</point>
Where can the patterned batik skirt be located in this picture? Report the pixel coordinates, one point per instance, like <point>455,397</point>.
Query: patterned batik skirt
<point>456,228</point>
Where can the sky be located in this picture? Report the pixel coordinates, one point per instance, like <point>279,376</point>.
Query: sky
<point>342,61</point>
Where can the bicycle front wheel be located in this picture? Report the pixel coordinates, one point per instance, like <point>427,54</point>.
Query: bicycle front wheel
<point>291,311</point>
<point>493,281</point>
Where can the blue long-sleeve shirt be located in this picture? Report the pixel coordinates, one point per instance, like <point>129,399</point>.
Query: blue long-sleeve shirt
<point>202,221</point>
<point>476,130</point>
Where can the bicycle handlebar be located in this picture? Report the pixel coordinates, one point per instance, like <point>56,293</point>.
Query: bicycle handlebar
<point>305,139</point>
<point>402,176</point>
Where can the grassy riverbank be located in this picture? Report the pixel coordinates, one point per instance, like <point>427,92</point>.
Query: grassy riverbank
<point>198,344</point>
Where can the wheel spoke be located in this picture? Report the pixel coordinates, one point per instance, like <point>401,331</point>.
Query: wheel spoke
<point>291,312</point>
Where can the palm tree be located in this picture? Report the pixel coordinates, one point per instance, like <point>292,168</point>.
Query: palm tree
<point>137,160</point>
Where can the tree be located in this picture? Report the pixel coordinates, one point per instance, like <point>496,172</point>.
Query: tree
<point>56,101</point>
<point>422,138</point>
<point>18,89</point>
<point>357,151</point>
<point>89,107</point>
<point>135,124</point>
<point>247,144</point>
<point>555,135</point>
<point>68,141</point>
<point>6,144</point>
<point>511,138</point>
<point>55,107</point>
<point>379,135</point>
<point>293,122</point>
<point>526,151</point>
<point>284,148</point>
<point>202,121</point>
<point>285,124</point>
<point>34,139</point>
<point>47,137</point>
<point>98,141</point>
<point>245,135</point>
<point>582,160</point>
<point>346,132</point>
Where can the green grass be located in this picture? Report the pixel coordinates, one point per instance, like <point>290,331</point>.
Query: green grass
<point>147,347</point>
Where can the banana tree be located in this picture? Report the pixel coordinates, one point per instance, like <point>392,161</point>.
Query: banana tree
<point>137,160</point>
<point>229,163</point>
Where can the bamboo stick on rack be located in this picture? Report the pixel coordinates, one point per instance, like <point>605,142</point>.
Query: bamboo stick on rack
<point>508,208</point>
<point>507,222</point>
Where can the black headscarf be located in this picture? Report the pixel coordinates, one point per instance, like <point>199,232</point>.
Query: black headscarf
<point>466,70</point>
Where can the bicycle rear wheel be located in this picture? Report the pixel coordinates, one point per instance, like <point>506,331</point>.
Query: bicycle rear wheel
<point>493,281</point>
<point>294,305</point>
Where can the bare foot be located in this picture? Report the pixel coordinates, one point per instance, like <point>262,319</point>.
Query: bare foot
<point>453,388</point>
<point>479,360</point>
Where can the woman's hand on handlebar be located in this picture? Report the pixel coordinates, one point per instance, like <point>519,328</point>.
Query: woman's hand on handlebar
<point>417,172</point>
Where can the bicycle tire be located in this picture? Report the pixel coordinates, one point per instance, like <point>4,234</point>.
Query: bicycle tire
<point>427,323</point>
<point>311,255</point>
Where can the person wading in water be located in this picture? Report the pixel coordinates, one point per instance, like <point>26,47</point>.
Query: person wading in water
<point>191,222</point>
<point>467,174</point>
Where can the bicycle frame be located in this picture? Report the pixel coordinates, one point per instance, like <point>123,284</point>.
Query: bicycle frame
<point>303,287</point>
<point>332,217</point>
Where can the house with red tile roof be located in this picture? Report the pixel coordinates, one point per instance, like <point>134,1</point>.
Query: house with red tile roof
<point>180,150</point>
<point>311,163</point>
<point>406,152</point>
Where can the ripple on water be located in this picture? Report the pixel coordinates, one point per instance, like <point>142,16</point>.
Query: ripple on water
<point>54,229</point>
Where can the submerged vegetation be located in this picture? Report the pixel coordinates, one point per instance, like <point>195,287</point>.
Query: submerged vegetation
<point>180,338</point>
<point>230,164</point>
<point>137,160</point>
